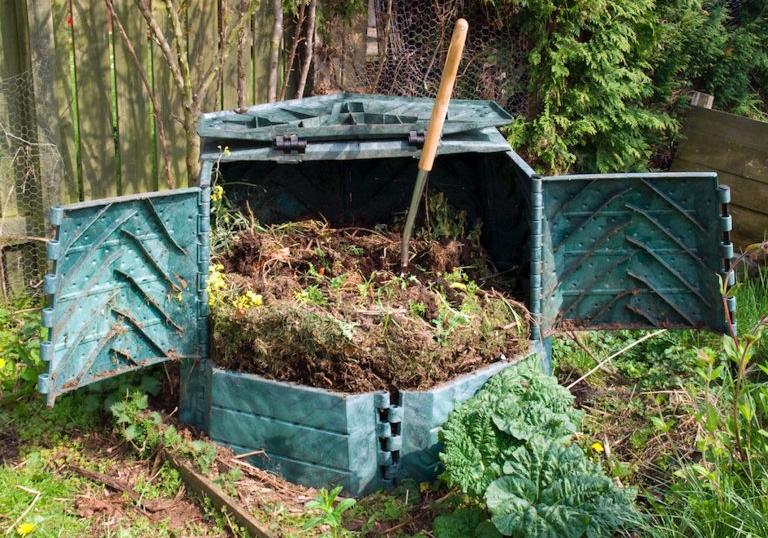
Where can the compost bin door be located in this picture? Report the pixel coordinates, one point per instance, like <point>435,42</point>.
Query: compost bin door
<point>126,289</point>
<point>629,251</point>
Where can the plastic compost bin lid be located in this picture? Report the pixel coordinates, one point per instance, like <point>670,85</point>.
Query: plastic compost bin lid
<point>347,116</point>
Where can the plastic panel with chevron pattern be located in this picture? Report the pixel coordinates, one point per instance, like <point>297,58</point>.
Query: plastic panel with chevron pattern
<point>124,289</point>
<point>631,250</point>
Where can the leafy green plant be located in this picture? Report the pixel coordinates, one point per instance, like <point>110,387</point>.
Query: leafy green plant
<point>20,363</point>
<point>507,448</point>
<point>330,511</point>
<point>512,407</point>
<point>147,433</point>
<point>465,522</point>
<point>549,489</point>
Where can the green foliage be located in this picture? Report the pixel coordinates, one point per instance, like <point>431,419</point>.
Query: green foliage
<point>662,362</point>
<point>737,70</point>
<point>330,511</point>
<point>589,65</point>
<point>549,489</point>
<point>507,447</point>
<point>52,514</point>
<point>20,363</point>
<point>466,522</point>
<point>607,79</point>
<point>512,407</point>
<point>147,433</point>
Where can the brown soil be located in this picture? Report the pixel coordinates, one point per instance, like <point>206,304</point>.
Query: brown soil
<point>9,445</point>
<point>338,314</point>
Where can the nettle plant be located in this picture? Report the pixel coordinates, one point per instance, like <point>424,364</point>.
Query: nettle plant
<point>508,449</point>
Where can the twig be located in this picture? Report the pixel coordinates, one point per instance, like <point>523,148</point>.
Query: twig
<point>37,495</point>
<point>149,506</point>
<point>618,353</point>
<point>249,454</point>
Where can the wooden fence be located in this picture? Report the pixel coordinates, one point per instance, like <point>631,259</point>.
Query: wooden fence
<point>89,98</point>
<point>737,149</point>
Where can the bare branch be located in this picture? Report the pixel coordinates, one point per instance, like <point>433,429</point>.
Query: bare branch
<point>297,38</point>
<point>150,91</point>
<point>179,41</point>
<point>240,62</point>
<point>159,37</point>
<point>310,48</point>
<point>212,72</point>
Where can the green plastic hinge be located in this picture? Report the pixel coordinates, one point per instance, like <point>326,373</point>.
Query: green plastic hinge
<point>727,252</point>
<point>388,431</point>
<point>537,217</point>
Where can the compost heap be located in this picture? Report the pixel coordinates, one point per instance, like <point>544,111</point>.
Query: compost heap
<point>329,307</point>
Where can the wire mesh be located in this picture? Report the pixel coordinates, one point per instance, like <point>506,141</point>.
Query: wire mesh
<point>31,173</point>
<point>406,44</point>
<point>413,38</point>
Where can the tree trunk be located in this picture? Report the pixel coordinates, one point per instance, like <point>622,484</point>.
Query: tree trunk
<point>310,48</point>
<point>274,51</point>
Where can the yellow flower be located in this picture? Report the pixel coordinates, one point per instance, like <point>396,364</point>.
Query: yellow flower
<point>217,193</point>
<point>25,529</point>
<point>598,447</point>
<point>216,284</point>
<point>248,300</point>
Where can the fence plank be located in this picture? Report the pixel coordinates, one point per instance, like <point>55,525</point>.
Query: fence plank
<point>136,136</point>
<point>94,95</point>
<point>64,98</point>
<point>170,105</point>
<point>262,30</point>
<point>59,183</point>
<point>203,43</point>
<point>733,146</point>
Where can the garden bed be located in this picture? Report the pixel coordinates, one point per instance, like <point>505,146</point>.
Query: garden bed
<point>329,307</point>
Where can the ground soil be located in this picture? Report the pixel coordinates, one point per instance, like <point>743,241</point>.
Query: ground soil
<point>337,313</point>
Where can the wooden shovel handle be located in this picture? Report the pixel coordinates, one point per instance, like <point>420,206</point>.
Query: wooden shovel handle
<point>435,127</point>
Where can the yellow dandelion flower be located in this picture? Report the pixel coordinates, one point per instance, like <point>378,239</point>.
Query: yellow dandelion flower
<point>25,529</point>
<point>598,447</point>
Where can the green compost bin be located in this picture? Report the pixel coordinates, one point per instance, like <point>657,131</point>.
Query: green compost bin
<point>127,287</point>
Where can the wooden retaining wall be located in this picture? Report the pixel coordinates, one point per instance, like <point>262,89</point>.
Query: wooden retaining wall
<point>737,149</point>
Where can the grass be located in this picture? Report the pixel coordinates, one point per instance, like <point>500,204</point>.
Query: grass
<point>647,412</point>
<point>698,507</point>
<point>47,499</point>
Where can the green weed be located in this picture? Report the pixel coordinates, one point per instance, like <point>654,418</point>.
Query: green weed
<point>330,511</point>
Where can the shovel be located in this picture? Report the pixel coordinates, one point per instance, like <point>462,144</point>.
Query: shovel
<point>434,131</point>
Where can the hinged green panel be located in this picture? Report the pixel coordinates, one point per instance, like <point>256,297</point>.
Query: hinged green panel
<point>347,116</point>
<point>628,251</point>
<point>127,289</point>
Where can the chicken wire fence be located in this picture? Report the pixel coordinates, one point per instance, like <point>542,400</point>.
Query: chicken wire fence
<point>407,42</point>
<point>31,173</point>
